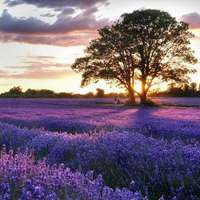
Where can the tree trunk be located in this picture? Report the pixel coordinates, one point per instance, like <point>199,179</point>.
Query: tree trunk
<point>143,97</point>
<point>131,95</point>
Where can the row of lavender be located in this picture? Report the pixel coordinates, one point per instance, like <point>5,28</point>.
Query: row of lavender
<point>150,126</point>
<point>56,116</point>
<point>22,179</point>
<point>153,166</point>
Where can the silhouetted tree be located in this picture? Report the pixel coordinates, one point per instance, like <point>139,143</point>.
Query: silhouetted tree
<point>109,57</point>
<point>162,45</point>
<point>30,93</point>
<point>179,90</point>
<point>171,86</point>
<point>15,91</point>
<point>88,95</point>
<point>44,93</point>
<point>100,93</point>
<point>193,86</point>
<point>146,44</point>
<point>186,88</point>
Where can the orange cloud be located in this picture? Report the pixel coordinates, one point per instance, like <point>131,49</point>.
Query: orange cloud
<point>37,67</point>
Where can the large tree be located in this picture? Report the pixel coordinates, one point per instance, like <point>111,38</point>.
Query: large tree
<point>163,47</point>
<point>109,57</point>
<point>146,45</point>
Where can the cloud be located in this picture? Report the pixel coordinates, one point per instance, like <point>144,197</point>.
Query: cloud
<point>76,24</point>
<point>44,74</point>
<point>65,31</point>
<point>46,58</point>
<point>10,24</point>
<point>67,11</point>
<point>64,40</point>
<point>48,15</point>
<point>57,4</point>
<point>35,74</point>
<point>84,21</point>
<point>2,73</point>
<point>40,63</point>
<point>37,67</point>
<point>193,19</point>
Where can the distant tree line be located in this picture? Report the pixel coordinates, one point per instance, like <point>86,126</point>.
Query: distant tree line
<point>17,92</point>
<point>174,90</point>
<point>184,90</point>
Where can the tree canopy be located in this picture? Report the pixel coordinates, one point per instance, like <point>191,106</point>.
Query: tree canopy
<point>145,45</point>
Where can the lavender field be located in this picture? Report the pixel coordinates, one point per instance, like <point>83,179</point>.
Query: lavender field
<point>91,149</point>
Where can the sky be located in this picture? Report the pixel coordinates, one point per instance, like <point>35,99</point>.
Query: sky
<point>40,39</point>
